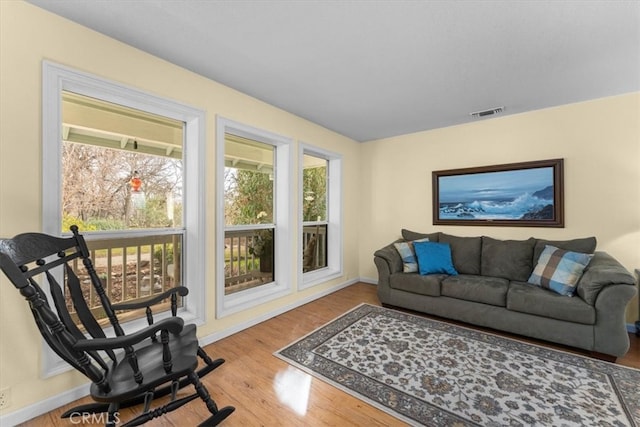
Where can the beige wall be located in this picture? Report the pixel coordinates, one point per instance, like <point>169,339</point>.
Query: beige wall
<point>27,36</point>
<point>599,141</point>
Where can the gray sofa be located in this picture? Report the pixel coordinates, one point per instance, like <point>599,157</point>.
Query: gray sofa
<point>491,290</point>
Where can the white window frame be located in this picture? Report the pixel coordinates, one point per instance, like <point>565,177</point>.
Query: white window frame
<point>334,268</point>
<point>283,215</point>
<point>58,78</point>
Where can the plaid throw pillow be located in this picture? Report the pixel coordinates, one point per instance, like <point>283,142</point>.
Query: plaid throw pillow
<point>408,255</point>
<point>559,270</point>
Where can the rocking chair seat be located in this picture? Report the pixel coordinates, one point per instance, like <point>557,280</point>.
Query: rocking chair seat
<point>183,347</point>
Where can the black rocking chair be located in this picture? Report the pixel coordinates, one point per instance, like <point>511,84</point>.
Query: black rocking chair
<point>125,370</point>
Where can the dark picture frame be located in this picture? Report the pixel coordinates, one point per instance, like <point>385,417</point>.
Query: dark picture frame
<point>525,194</point>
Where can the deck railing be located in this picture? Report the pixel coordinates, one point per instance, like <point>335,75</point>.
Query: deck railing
<point>242,268</point>
<point>131,268</point>
<point>314,250</point>
<point>245,270</point>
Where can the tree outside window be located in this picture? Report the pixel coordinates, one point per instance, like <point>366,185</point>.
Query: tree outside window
<point>121,168</point>
<point>98,193</point>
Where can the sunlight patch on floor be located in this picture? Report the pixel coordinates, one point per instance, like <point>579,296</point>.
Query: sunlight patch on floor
<point>292,388</point>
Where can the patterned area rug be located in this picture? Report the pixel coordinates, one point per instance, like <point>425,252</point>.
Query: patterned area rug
<point>427,372</point>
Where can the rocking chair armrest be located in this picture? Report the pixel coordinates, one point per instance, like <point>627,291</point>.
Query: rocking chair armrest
<point>173,325</point>
<point>180,290</point>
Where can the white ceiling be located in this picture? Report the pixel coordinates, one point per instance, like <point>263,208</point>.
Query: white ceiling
<point>374,69</point>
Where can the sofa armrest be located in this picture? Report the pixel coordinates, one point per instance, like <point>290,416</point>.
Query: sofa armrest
<point>610,332</point>
<point>391,256</point>
<point>387,261</point>
<point>603,270</point>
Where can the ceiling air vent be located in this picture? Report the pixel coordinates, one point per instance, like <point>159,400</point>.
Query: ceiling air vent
<point>489,112</point>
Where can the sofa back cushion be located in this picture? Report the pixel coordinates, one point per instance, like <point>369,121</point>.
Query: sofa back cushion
<point>412,235</point>
<point>586,245</point>
<point>465,251</point>
<point>509,259</point>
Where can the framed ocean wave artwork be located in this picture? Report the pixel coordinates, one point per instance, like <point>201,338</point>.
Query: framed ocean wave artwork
<point>526,194</point>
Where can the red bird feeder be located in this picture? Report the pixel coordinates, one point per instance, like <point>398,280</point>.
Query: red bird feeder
<point>135,183</point>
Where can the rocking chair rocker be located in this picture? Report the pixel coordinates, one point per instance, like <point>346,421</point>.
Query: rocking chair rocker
<point>145,368</point>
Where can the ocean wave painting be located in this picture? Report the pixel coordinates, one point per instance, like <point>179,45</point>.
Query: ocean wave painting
<point>503,195</point>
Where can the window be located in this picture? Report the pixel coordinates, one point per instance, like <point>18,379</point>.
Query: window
<point>121,167</point>
<point>314,212</point>
<point>122,170</point>
<point>128,168</point>
<point>254,247</point>
<point>248,213</point>
<point>320,214</point>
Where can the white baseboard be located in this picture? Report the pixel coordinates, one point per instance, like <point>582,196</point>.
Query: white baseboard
<point>44,406</point>
<point>369,280</point>
<point>49,404</point>
<point>206,340</point>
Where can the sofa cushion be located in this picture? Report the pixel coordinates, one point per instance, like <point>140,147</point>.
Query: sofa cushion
<point>465,252</point>
<point>559,270</point>
<point>483,289</point>
<point>434,258</point>
<point>509,259</point>
<point>412,235</point>
<point>417,284</point>
<point>408,255</point>
<point>524,298</point>
<point>586,245</point>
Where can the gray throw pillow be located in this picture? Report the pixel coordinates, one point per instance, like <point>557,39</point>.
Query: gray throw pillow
<point>509,259</point>
<point>465,251</point>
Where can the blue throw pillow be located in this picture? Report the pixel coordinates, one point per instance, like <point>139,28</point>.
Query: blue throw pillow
<point>434,258</point>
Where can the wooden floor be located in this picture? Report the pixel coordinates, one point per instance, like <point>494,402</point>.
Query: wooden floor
<point>249,378</point>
